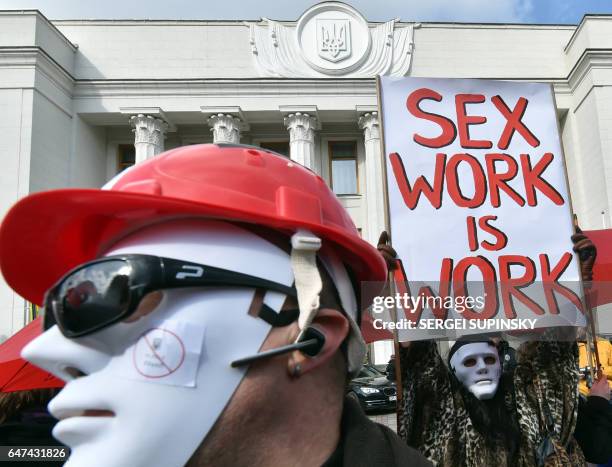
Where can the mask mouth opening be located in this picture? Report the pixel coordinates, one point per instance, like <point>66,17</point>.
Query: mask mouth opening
<point>98,413</point>
<point>73,372</point>
<point>483,382</point>
<point>63,414</point>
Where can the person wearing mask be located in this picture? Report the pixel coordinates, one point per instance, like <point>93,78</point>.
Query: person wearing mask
<point>468,412</point>
<point>202,309</point>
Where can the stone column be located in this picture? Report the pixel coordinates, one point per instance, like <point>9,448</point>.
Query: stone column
<point>149,134</point>
<point>374,192</point>
<point>225,128</point>
<point>301,128</point>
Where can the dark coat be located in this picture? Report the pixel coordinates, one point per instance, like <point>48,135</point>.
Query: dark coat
<point>594,429</point>
<point>364,443</point>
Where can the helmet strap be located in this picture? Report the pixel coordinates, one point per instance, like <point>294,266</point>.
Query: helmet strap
<point>304,248</point>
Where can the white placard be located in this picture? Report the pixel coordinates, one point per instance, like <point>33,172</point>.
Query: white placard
<point>477,187</point>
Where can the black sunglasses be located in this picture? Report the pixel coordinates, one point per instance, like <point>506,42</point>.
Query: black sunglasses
<point>108,290</point>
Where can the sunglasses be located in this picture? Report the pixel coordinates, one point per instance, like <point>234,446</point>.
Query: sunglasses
<point>108,290</point>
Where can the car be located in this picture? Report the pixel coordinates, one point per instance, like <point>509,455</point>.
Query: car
<point>372,390</point>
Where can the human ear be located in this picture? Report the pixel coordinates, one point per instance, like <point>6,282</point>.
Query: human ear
<point>332,328</point>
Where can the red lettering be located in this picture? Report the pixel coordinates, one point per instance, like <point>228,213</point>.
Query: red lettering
<point>403,288</point>
<point>472,233</point>
<point>494,181</point>
<point>531,177</point>
<point>498,181</point>
<point>449,132</point>
<point>452,181</point>
<point>550,280</point>
<point>488,278</point>
<point>510,286</point>
<point>513,122</point>
<point>464,121</point>
<point>500,238</point>
<point>421,185</point>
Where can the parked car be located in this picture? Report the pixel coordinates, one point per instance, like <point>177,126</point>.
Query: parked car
<point>373,390</point>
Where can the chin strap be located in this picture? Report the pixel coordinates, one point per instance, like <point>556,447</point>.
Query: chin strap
<point>304,247</point>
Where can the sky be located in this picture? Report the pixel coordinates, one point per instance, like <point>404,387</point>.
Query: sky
<point>496,11</point>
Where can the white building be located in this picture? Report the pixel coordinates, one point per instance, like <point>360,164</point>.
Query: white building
<point>80,99</point>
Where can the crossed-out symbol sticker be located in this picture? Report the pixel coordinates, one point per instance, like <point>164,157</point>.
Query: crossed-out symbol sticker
<point>158,353</point>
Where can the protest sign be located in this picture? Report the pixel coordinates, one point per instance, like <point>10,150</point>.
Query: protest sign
<point>479,207</point>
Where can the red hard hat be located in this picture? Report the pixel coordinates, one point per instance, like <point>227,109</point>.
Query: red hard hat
<point>46,234</point>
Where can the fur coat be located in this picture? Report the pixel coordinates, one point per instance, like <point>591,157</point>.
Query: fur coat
<point>452,428</point>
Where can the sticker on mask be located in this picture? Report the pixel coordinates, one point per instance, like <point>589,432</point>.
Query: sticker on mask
<point>168,353</point>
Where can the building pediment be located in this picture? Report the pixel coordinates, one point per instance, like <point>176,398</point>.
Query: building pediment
<point>331,39</point>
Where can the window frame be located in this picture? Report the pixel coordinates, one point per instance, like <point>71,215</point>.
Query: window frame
<point>331,158</point>
<point>118,163</point>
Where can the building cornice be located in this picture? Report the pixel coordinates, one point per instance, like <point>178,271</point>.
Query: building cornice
<point>561,88</point>
<point>147,22</point>
<point>238,22</point>
<point>12,57</point>
<point>38,14</point>
<point>247,86</point>
<point>258,87</point>
<point>438,25</point>
<point>581,26</point>
<point>591,58</point>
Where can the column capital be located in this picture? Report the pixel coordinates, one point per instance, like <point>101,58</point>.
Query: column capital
<point>225,128</point>
<point>149,134</point>
<point>301,126</point>
<point>148,129</point>
<point>370,125</point>
<point>155,112</point>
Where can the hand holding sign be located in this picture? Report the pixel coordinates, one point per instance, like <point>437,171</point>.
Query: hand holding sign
<point>386,250</point>
<point>587,253</point>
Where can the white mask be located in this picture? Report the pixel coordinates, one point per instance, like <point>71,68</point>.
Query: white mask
<point>166,386</point>
<point>476,366</point>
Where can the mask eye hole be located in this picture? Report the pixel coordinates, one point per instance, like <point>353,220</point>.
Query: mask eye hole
<point>490,360</point>
<point>469,362</point>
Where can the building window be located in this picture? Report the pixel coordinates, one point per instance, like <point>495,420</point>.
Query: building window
<point>126,156</point>
<point>343,167</point>
<point>281,147</point>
